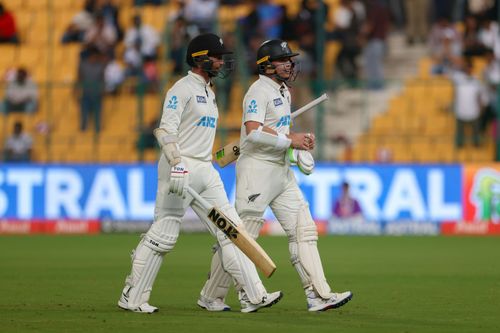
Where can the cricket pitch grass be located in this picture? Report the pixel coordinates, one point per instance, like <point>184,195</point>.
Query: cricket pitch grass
<point>400,284</point>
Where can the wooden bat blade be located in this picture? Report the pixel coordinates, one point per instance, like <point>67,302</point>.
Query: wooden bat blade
<point>239,236</point>
<point>227,154</point>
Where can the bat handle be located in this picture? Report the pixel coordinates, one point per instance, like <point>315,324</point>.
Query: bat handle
<point>206,205</point>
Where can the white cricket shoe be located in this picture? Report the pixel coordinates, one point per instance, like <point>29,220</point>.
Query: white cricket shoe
<point>316,303</point>
<point>267,301</point>
<point>143,308</point>
<point>213,305</point>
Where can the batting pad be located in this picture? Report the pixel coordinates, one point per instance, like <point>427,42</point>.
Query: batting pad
<point>305,255</point>
<point>145,265</point>
<point>241,269</point>
<point>147,258</point>
<point>219,281</point>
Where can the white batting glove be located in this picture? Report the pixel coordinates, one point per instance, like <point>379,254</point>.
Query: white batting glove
<point>303,159</point>
<point>178,179</point>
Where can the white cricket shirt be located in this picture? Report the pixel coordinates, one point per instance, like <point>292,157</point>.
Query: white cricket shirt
<point>266,104</point>
<point>190,112</point>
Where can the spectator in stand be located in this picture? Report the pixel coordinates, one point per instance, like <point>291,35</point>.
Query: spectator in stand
<point>445,46</point>
<point>270,19</point>
<point>141,43</point>
<point>469,98</point>
<point>348,20</point>
<point>304,25</point>
<point>375,32</point>
<point>489,35</point>
<point>471,42</point>
<point>8,30</point>
<point>346,207</point>
<point>18,146</point>
<point>201,16</point>
<point>264,19</point>
<point>417,26</point>
<point>114,76</point>
<point>80,24</point>
<point>21,94</point>
<point>491,78</point>
<point>91,87</point>
<point>111,13</point>
<point>102,36</point>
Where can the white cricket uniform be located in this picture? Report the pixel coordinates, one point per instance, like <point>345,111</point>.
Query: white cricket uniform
<point>268,103</point>
<point>263,174</point>
<point>190,113</point>
<point>263,179</point>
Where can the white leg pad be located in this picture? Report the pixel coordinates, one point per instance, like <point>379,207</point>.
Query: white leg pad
<point>218,281</point>
<point>305,256</point>
<point>148,257</point>
<point>253,225</point>
<point>241,269</point>
<point>163,234</point>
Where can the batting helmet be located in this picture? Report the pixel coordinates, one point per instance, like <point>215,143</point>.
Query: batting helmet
<point>203,46</point>
<point>272,50</point>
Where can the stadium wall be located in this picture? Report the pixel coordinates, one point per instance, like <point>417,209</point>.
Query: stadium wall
<point>396,199</point>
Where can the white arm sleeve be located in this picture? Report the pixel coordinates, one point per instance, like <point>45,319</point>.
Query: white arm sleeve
<point>278,142</point>
<point>169,146</point>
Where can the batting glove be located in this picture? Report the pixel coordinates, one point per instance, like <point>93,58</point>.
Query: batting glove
<point>178,179</point>
<point>303,159</point>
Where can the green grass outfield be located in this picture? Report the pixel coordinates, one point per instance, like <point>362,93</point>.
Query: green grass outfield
<point>400,284</point>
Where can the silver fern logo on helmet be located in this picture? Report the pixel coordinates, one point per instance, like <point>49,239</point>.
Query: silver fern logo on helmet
<point>220,41</point>
<point>283,46</point>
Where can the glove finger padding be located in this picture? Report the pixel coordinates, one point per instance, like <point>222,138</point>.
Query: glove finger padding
<point>178,179</point>
<point>305,162</point>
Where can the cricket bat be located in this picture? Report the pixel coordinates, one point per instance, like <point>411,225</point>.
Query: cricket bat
<point>230,152</point>
<point>237,234</point>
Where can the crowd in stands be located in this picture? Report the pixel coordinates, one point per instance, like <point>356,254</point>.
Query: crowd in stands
<point>455,32</point>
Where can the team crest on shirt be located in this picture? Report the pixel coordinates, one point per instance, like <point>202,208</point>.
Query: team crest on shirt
<point>277,101</point>
<point>172,103</point>
<point>201,99</point>
<point>252,107</point>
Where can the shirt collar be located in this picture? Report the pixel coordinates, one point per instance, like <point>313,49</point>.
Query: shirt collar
<point>197,78</point>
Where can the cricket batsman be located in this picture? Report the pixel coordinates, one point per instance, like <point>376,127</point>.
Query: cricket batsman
<point>186,136</point>
<point>264,178</point>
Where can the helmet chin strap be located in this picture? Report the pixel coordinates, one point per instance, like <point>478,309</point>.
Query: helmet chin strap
<point>207,66</point>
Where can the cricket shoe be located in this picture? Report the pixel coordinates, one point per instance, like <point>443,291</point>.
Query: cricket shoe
<point>143,308</point>
<point>213,305</point>
<point>316,303</point>
<point>267,301</point>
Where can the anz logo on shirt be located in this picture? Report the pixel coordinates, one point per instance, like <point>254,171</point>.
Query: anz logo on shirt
<point>207,121</point>
<point>284,121</point>
<point>252,108</point>
<point>172,103</point>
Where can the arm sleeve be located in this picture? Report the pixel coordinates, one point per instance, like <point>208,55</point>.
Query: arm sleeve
<point>173,106</point>
<point>254,107</point>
